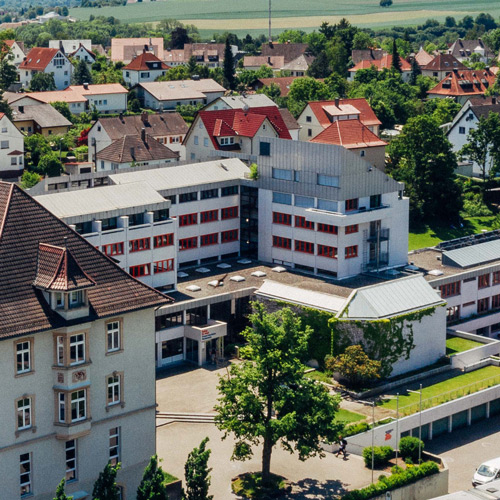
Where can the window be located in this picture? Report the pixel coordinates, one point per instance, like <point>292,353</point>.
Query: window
<point>187,197</point>
<point>25,474</point>
<point>108,224</point>
<point>114,445</point>
<point>226,141</point>
<point>209,193</point>
<point>309,132</point>
<point>161,215</point>
<point>229,213</point>
<point>328,205</point>
<point>113,249</point>
<point>483,281</point>
<point>351,204</point>
<point>75,298</point>
<point>495,302</point>
<point>264,149</point>
<point>140,270</point>
<point>351,251</point>
<point>229,190</point>
<point>282,198</point>
<point>172,198</point>
<point>196,140</point>
<point>452,314</point>
<point>13,161</point>
<point>188,219</point>
<point>351,229</point>
<point>113,332</point>
<point>228,236</point>
<point>23,357</point>
<point>461,130</point>
<point>163,266</point>
<point>188,243</point>
<point>328,180</point>
<point>70,450</point>
<point>209,239</point>
<point>280,242</point>
<point>376,201</point>
<point>114,389</point>
<point>77,349</point>
<point>495,278</point>
<point>304,246</point>
<point>450,289</point>
<point>60,350</point>
<point>209,216</point>
<point>283,174</point>
<point>23,413</point>
<point>169,320</point>
<point>327,228</point>
<point>304,201</point>
<point>303,223</point>
<point>78,405</point>
<point>483,305</point>
<point>326,251</point>
<point>164,240</point>
<point>308,119</point>
<point>139,245</point>
<point>4,144</point>
<point>280,218</point>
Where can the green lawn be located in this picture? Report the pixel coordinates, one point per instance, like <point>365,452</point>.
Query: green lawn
<point>454,345</point>
<point>447,390</point>
<point>348,417</point>
<point>431,236</point>
<point>320,376</point>
<point>169,478</point>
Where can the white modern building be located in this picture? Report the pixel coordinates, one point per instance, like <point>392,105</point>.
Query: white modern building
<point>11,149</point>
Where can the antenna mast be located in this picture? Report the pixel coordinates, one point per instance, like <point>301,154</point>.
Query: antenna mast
<point>270,39</point>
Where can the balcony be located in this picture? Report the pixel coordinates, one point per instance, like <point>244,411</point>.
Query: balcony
<point>359,216</point>
<point>383,260</point>
<point>383,235</point>
<point>75,429</point>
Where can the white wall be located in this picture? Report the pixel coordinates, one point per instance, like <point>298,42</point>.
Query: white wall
<point>15,139</point>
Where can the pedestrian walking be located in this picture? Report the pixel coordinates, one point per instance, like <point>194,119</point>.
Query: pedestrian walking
<point>342,448</point>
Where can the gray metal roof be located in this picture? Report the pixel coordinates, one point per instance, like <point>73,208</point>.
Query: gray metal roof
<point>252,101</point>
<point>392,298</point>
<point>473,255</point>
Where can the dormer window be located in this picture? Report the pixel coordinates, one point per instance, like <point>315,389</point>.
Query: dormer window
<point>76,298</point>
<point>226,141</point>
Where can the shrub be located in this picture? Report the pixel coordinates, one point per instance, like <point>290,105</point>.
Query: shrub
<point>408,447</point>
<point>254,172</point>
<point>356,429</point>
<point>381,455</point>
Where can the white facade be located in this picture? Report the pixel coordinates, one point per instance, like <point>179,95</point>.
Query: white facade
<point>18,54</point>
<point>84,55</point>
<point>107,103</point>
<point>70,46</point>
<point>11,149</point>
<point>102,165</point>
<point>60,67</point>
<point>133,77</point>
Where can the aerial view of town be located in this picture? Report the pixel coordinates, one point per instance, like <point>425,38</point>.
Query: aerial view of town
<point>249,250</point>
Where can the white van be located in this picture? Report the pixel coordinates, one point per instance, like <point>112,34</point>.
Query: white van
<point>487,472</point>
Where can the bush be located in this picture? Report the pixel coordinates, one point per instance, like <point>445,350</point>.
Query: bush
<point>408,447</point>
<point>356,429</point>
<point>381,456</point>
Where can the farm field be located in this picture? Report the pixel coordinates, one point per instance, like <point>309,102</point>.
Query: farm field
<point>243,16</point>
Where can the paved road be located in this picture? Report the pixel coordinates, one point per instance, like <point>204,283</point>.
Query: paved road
<point>466,449</point>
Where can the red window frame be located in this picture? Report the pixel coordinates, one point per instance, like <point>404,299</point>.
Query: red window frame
<point>303,223</point>
<point>483,281</point>
<point>188,220</point>
<point>164,240</point>
<point>188,243</point>
<point>209,239</point>
<point>228,236</point>
<point>163,266</point>
<point>327,251</point>
<point>304,246</point>
<point>140,270</point>
<point>209,216</point>
<point>113,248</point>
<point>327,228</point>
<point>281,218</point>
<point>229,213</point>
<point>280,242</point>
<point>450,289</point>
<point>354,228</point>
<point>351,252</point>
<point>351,204</point>
<point>139,245</point>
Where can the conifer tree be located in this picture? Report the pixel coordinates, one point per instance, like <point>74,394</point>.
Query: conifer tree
<point>152,486</point>
<point>81,73</point>
<point>198,474</point>
<point>105,488</point>
<point>60,493</point>
<point>229,79</point>
<point>396,61</point>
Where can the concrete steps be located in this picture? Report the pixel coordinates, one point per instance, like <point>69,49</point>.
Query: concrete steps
<point>164,418</point>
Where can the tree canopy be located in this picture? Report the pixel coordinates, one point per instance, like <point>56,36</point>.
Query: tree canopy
<point>197,473</point>
<point>41,82</point>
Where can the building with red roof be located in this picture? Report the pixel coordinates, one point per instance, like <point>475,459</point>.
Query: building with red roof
<point>146,67</point>
<point>46,60</point>
<point>381,64</point>
<point>17,51</point>
<point>233,130</point>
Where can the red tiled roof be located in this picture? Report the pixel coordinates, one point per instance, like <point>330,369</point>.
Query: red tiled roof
<point>350,134</point>
<point>466,82</point>
<point>145,62</point>
<point>243,123</point>
<point>283,83</point>
<point>38,58</point>
<point>24,224</point>
<point>367,115</point>
<point>380,64</point>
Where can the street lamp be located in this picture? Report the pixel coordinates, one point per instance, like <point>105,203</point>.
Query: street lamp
<point>372,403</point>
<point>419,425</point>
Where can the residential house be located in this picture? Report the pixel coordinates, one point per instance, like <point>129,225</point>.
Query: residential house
<point>462,85</point>
<point>74,359</point>
<point>291,123</point>
<point>299,66</point>
<point>318,115</point>
<point>41,119</point>
<point>126,49</point>
<point>17,50</point>
<point>463,50</point>
<point>144,68</point>
<point>134,150</point>
<point>254,63</point>
<point>380,65</point>
<point>289,51</point>
<point>11,149</point>
<point>50,16</point>
<point>283,83</point>
<point>423,58</point>
<point>242,101</point>
<point>174,57</point>
<point>207,54</point>
<point>441,66</point>
<point>358,55</point>
<point>84,54</point>
<point>232,130</point>
<point>75,49</point>
<point>169,95</point>
<point>167,128</point>
<point>45,60</point>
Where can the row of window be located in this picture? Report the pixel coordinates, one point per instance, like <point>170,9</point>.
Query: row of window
<point>328,205</point>
<point>161,266</point>
<point>308,247</point>
<point>139,245</point>
<point>208,216</point>
<point>302,222</point>
<point>483,281</point>
<point>208,239</point>
<point>204,195</point>
<point>26,487</point>
<point>483,305</point>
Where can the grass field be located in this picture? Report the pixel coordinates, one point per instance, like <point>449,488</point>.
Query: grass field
<point>243,16</point>
<point>454,345</point>
<point>348,417</point>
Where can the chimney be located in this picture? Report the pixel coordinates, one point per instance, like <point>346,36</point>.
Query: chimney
<point>337,102</point>
<point>145,49</point>
<point>61,47</point>
<point>121,116</point>
<point>132,152</point>
<point>86,86</point>
<point>143,135</point>
<point>144,118</point>
<point>268,59</point>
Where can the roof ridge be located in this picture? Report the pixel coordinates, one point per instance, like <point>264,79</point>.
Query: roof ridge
<point>7,206</point>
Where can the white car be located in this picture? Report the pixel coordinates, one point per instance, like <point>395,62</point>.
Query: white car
<point>487,472</point>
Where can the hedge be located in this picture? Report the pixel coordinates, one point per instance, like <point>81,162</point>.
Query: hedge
<point>409,446</point>
<point>381,455</point>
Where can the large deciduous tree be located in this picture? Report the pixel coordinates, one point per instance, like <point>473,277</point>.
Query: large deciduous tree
<point>42,82</point>
<point>303,90</point>
<point>197,473</point>
<point>267,399</point>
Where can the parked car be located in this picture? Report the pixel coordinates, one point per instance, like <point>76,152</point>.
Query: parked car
<point>487,472</point>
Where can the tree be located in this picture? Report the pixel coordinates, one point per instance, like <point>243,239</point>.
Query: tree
<point>81,73</point>
<point>60,493</point>
<point>178,38</point>
<point>355,365</point>
<point>320,67</point>
<point>415,71</point>
<point>30,179</point>
<point>338,55</point>
<point>35,146</point>
<point>337,85</point>
<point>229,79</point>
<point>197,473</point>
<point>396,61</point>
<point>49,165</point>
<point>63,108</point>
<point>303,90</point>
<point>105,488</point>
<point>8,72</point>
<point>362,41</point>
<point>268,398</point>
<point>152,486</point>
<point>41,82</point>
<point>385,3</point>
